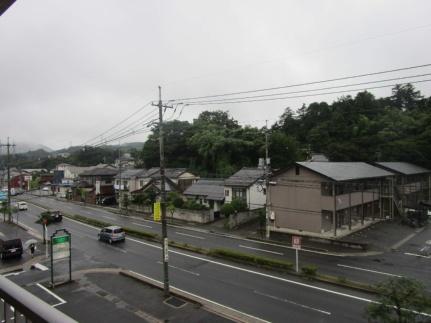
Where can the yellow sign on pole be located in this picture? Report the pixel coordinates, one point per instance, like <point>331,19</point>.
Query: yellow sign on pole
<point>157,213</point>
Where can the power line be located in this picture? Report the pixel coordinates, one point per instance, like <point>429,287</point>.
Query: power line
<point>318,89</point>
<point>120,122</point>
<point>303,96</point>
<point>302,84</point>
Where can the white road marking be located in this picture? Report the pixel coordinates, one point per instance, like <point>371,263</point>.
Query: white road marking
<point>182,269</point>
<point>14,273</point>
<point>253,318</point>
<point>369,270</point>
<point>416,255</point>
<point>62,301</point>
<point>142,225</point>
<point>292,302</point>
<point>105,216</point>
<point>40,267</point>
<point>274,252</point>
<point>189,235</point>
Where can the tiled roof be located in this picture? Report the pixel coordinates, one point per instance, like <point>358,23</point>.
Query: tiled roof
<point>345,171</point>
<point>103,171</point>
<point>169,172</point>
<point>245,177</point>
<point>129,173</point>
<point>403,168</point>
<point>213,189</point>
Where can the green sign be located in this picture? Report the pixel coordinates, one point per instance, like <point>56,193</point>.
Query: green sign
<point>61,239</point>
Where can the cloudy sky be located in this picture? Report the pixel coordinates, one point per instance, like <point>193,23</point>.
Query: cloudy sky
<point>69,70</point>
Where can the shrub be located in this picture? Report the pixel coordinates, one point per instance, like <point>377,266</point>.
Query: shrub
<point>227,209</point>
<point>309,271</point>
<point>239,205</point>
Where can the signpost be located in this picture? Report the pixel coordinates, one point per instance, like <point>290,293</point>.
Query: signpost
<point>61,249</point>
<point>157,213</point>
<point>296,244</point>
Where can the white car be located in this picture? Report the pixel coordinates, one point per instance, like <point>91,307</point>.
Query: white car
<point>22,206</point>
<point>46,188</point>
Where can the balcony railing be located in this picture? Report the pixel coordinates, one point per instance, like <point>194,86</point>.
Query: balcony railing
<point>19,305</point>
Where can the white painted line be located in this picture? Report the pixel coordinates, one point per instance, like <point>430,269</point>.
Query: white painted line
<point>40,267</point>
<point>189,235</point>
<point>269,251</point>
<point>105,216</point>
<point>142,225</point>
<point>181,269</point>
<point>292,302</point>
<point>62,301</point>
<point>254,318</point>
<point>369,270</point>
<point>416,255</point>
<point>14,273</point>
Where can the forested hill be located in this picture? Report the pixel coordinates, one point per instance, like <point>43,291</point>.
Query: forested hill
<point>360,128</point>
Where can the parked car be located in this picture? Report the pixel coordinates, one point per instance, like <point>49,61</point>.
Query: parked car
<point>22,206</point>
<point>112,234</point>
<point>10,248</point>
<point>45,188</point>
<point>108,200</point>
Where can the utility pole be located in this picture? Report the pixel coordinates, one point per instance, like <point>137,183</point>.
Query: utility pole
<point>119,186</point>
<point>165,254</point>
<point>8,145</point>
<point>267,165</point>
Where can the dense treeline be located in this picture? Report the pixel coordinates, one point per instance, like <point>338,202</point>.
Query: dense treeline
<point>360,128</point>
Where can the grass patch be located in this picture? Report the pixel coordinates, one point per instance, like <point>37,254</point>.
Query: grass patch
<point>251,259</point>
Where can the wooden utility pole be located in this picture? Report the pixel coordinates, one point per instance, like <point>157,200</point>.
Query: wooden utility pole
<point>165,252</point>
<point>267,171</point>
<point>8,145</point>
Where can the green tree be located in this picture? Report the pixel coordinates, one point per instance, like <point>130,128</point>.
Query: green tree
<point>399,300</point>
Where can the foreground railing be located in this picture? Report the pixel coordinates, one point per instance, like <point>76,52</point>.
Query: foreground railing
<point>19,305</point>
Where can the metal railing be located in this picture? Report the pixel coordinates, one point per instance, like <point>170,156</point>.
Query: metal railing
<point>19,305</point>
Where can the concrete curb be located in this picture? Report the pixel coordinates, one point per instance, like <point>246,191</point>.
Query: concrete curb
<point>211,306</point>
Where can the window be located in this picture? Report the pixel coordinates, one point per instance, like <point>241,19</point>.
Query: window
<point>226,192</point>
<point>264,191</point>
<point>326,189</point>
<point>239,193</point>
<point>118,182</point>
<point>296,170</point>
<point>141,183</point>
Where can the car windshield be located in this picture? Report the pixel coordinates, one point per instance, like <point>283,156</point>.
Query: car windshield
<point>118,230</point>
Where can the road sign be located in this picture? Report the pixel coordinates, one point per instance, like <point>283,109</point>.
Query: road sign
<point>157,213</point>
<point>60,247</point>
<point>296,242</point>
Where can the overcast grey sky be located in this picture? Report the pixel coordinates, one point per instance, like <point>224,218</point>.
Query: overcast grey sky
<point>71,69</point>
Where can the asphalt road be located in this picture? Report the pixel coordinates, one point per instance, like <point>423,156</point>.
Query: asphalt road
<point>406,261</point>
<point>265,295</point>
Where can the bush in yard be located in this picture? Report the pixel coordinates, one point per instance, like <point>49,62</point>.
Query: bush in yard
<point>239,205</point>
<point>227,209</point>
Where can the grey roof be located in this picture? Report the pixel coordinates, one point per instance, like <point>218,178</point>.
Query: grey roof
<point>345,171</point>
<point>403,168</point>
<point>100,171</point>
<point>129,173</point>
<point>212,189</point>
<point>169,172</point>
<point>245,177</point>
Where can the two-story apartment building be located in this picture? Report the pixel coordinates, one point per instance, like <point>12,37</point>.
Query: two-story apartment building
<point>412,184</point>
<point>101,180</point>
<point>326,198</point>
<point>248,185</point>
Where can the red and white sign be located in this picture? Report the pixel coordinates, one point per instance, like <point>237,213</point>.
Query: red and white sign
<point>296,242</point>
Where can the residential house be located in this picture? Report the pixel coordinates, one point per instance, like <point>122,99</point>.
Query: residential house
<point>131,179</point>
<point>412,184</point>
<point>100,179</point>
<point>248,185</point>
<point>208,192</point>
<point>180,176</point>
<point>327,198</point>
<point>71,172</point>
<point>126,161</point>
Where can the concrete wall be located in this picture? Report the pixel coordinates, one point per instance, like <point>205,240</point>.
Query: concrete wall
<point>235,220</point>
<point>256,198</point>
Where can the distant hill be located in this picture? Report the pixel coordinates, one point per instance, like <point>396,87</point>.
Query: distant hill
<point>24,147</point>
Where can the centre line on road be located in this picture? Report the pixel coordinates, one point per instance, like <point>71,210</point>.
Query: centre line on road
<point>62,301</point>
<point>185,270</point>
<point>416,255</point>
<point>369,270</point>
<point>106,216</point>
<point>274,252</point>
<point>142,225</point>
<point>292,302</point>
<point>189,235</point>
